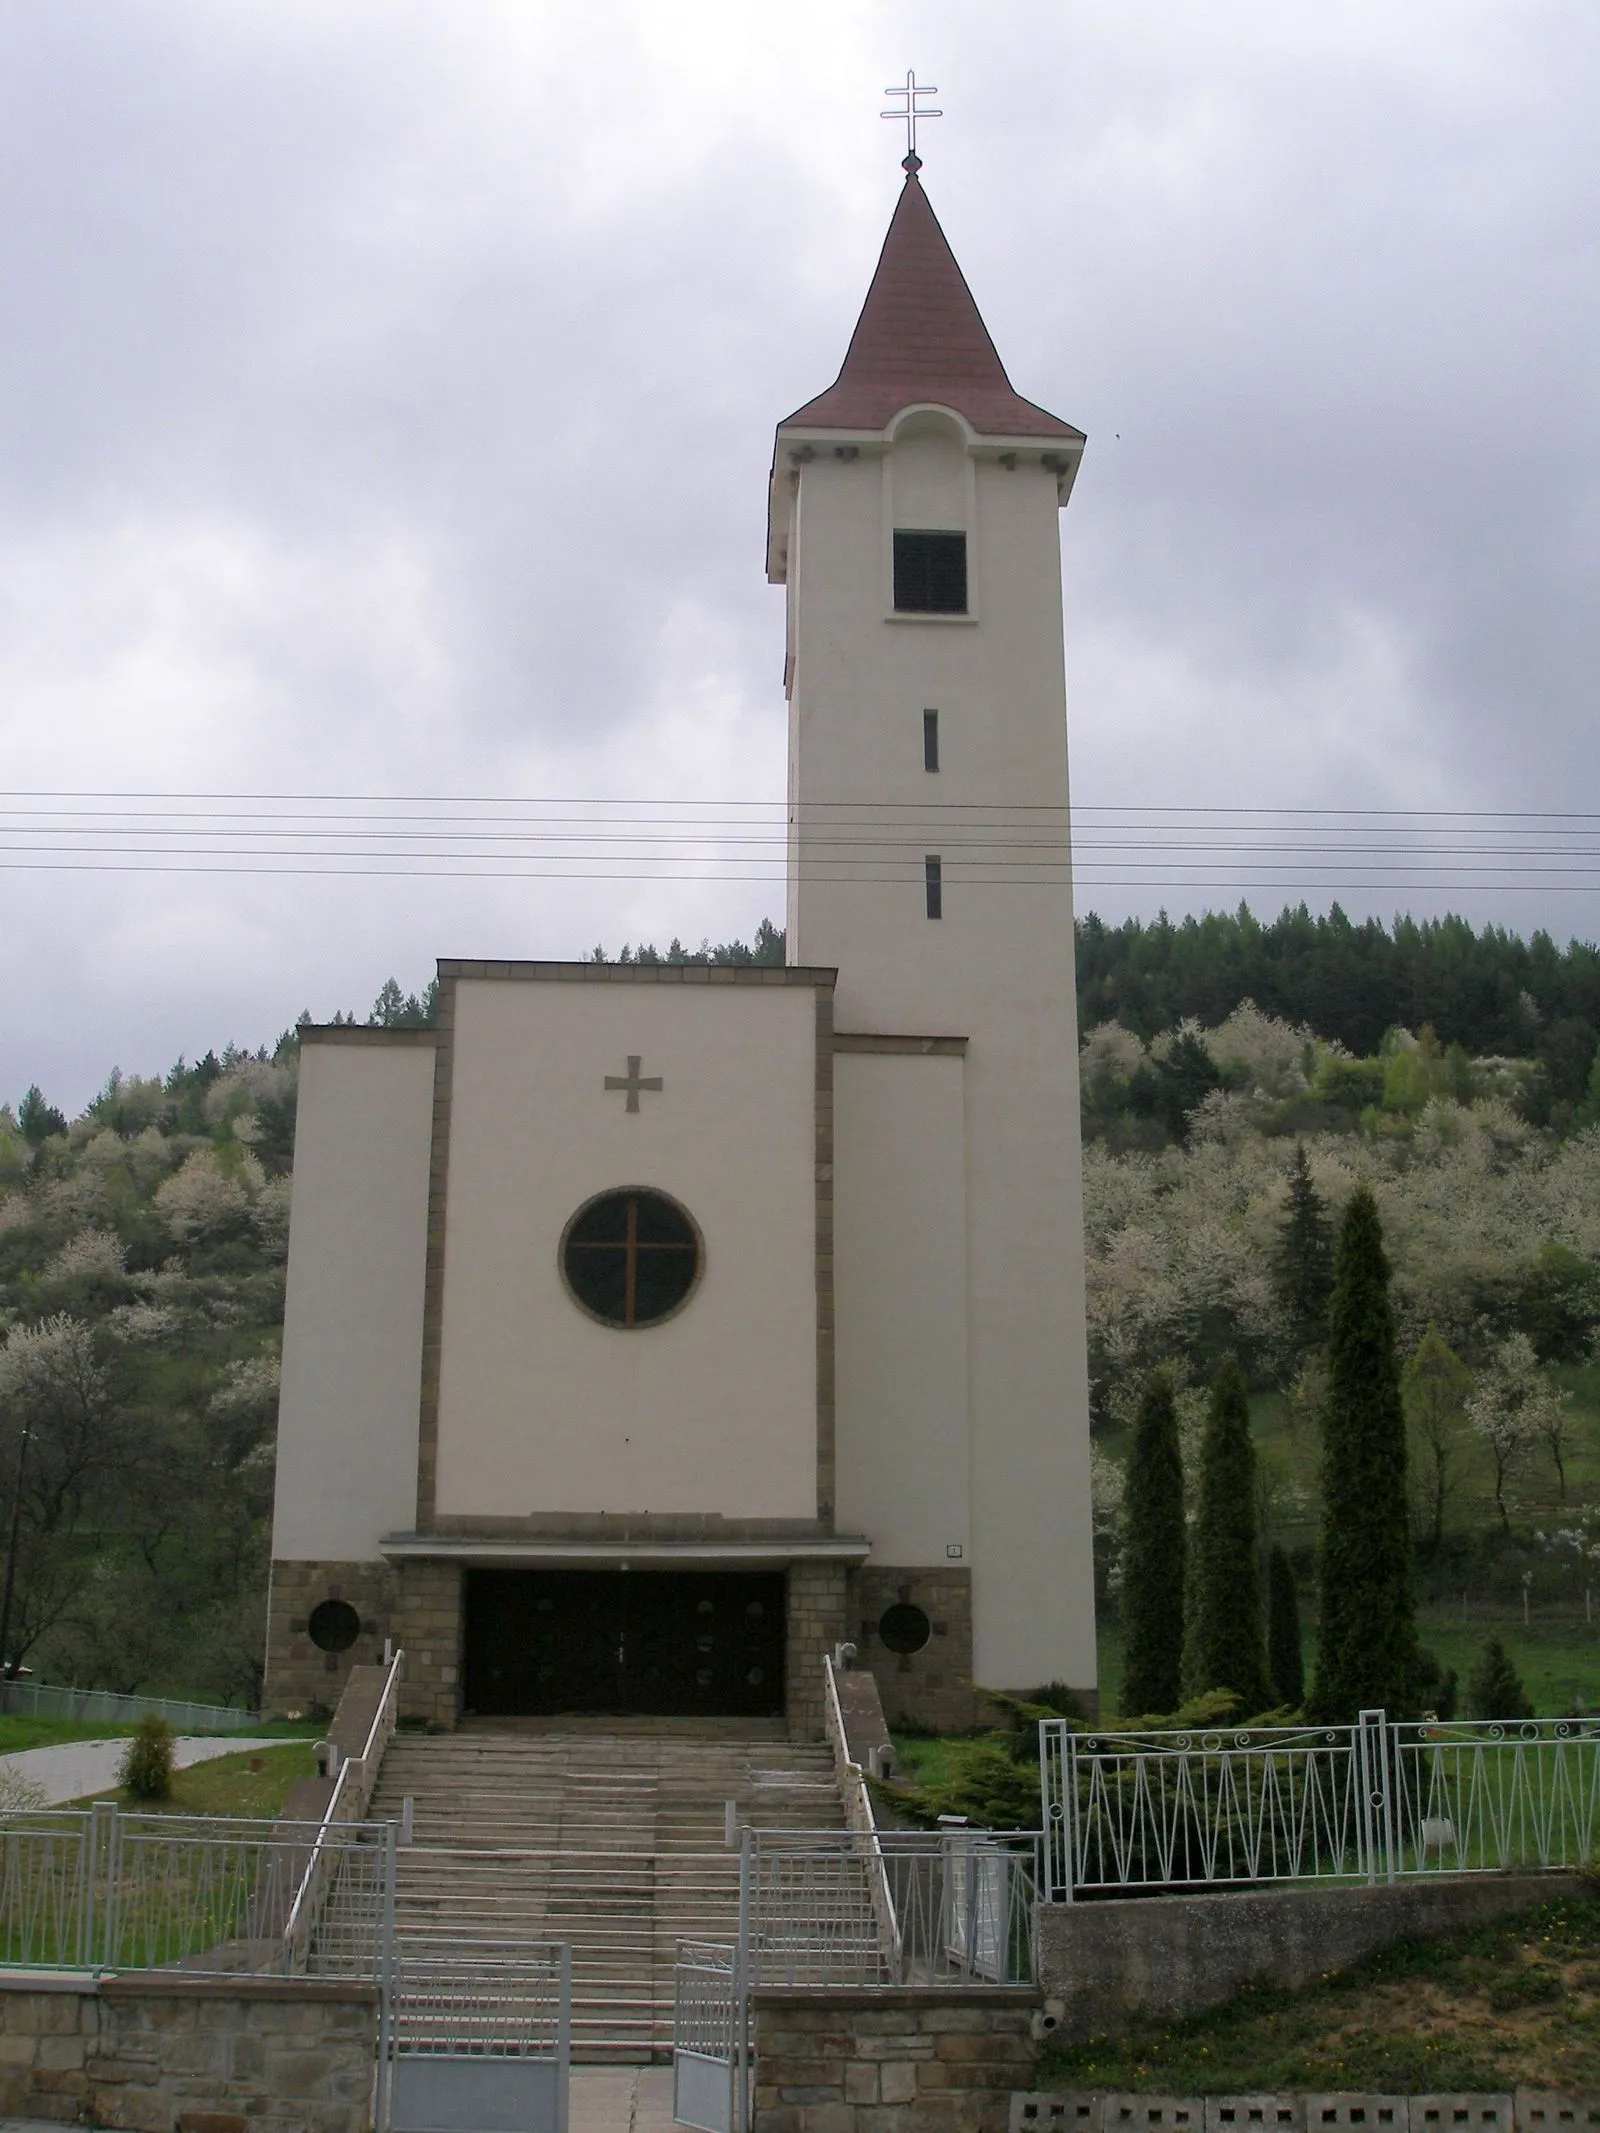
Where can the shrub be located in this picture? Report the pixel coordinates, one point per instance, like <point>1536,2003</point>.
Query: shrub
<point>145,1772</point>
<point>1494,1687</point>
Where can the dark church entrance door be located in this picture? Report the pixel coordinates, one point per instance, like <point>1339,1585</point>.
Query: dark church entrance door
<point>657,1643</point>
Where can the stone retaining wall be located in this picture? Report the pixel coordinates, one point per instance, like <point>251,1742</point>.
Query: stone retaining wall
<point>896,2059</point>
<point>152,2052</point>
<point>1104,1965</point>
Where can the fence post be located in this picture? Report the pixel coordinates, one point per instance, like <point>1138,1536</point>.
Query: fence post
<point>563,2034</point>
<point>1058,1785</point>
<point>1377,1801</point>
<point>743,1970</point>
<point>386,1986</point>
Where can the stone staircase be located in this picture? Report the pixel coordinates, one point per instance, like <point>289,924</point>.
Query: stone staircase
<point>608,1834</point>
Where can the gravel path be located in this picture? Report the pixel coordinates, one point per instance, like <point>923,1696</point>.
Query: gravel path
<point>74,1768</point>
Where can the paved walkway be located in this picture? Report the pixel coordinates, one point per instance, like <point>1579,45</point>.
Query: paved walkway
<point>72,1769</point>
<point>615,2099</point>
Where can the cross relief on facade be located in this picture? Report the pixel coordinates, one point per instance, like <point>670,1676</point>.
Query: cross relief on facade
<point>633,1081</point>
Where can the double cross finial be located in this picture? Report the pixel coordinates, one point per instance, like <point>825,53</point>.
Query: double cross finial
<point>911,96</point>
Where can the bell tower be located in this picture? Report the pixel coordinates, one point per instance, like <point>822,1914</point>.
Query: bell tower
<point>913,523</point>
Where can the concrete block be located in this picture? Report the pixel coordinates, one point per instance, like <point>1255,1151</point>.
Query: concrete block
<point>1055,2111</point>
<point>1462,2114</point>
<point>1335,2113</point>
<point>1152,2114</point>
<point>1544,2111</point>
<point>1255,2114</point>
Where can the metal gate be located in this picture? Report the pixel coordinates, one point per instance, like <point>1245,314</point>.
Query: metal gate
<point>478,2037</point>
<point>708,2039</point>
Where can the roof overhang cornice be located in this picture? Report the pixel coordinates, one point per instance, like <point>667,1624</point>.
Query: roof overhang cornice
<point>560,1552</point>
<point>798,444</point>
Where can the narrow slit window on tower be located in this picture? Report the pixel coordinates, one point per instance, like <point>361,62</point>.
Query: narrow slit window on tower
<point>930,740</point>
<point>930,573</point>
<point>933,872</point>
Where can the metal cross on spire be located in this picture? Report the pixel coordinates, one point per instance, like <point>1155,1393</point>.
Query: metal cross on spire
<point>910,96</point>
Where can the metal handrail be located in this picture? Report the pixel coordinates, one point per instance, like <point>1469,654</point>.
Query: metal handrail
<point>331,1813</point>
<point>858,1796</point>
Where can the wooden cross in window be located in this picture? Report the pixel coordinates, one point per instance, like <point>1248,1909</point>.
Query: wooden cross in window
<point>633,1081</point>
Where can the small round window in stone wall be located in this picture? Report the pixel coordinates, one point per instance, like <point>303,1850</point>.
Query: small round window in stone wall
<point>631,1258</point>
<point>334,1625</point>
<point>904,1628</point>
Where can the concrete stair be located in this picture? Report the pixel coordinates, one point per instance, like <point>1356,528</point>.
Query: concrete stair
<point>606,1834</point>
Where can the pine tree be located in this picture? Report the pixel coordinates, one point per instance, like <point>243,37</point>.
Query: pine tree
<point>1228,1648</point>
<point>37,1121</point>
<point>1285,1660</point>
<point>1305,1258</point>
<point>1494,1687</point>
<point>1367,1642</point>
<point>1153,1556</point>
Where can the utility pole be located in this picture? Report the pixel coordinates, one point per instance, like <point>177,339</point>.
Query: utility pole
<point>7,1670</point>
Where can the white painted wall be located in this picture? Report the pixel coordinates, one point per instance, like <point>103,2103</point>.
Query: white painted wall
<point>997,969</point>
<point>542,1410</point>
<point>900,1260</point>
<point>352,1337</point>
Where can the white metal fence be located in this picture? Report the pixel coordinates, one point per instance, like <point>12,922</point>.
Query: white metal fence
<point>105,1890</point>
<point>1380,1800</point>
<point>40,1699</point>
<point>479,2036</point>
<point>901,1907</point>
<point>709,2037</point>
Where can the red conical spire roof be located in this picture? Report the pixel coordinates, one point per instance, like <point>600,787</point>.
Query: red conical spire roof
<point>920,337</point>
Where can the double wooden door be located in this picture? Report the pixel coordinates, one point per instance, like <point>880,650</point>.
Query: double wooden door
<point>656,1643</point>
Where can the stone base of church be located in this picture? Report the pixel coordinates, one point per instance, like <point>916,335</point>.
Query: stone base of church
<point>818,1620</point>
<point>300,1677</point>
<point>429,1624</point>
<point>932,1687</point>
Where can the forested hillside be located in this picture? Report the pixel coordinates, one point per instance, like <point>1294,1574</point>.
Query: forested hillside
<point>142,1251</point>
<point>1489,992</point>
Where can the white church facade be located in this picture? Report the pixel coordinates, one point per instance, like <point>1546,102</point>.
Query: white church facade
<point>651,1329</point>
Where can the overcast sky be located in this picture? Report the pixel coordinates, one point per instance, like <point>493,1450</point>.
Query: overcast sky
<point>387,388</point>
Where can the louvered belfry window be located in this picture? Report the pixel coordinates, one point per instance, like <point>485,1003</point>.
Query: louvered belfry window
<point>930,573</point>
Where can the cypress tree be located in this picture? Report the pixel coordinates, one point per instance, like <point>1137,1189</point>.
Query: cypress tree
<point>1285,1661</point>
<point>1367,1641</point>
<point>1229,1651</point>
<point>1153,1556</point>
<point>1305,1258</point>
<point>1494,1687</point>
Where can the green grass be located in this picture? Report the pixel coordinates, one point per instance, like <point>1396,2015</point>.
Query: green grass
<point>20,1731</point>
<point>227,1785</point>
<point>1510,2003</point>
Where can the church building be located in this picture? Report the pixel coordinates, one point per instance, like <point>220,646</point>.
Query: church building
<point>652,1329</point>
